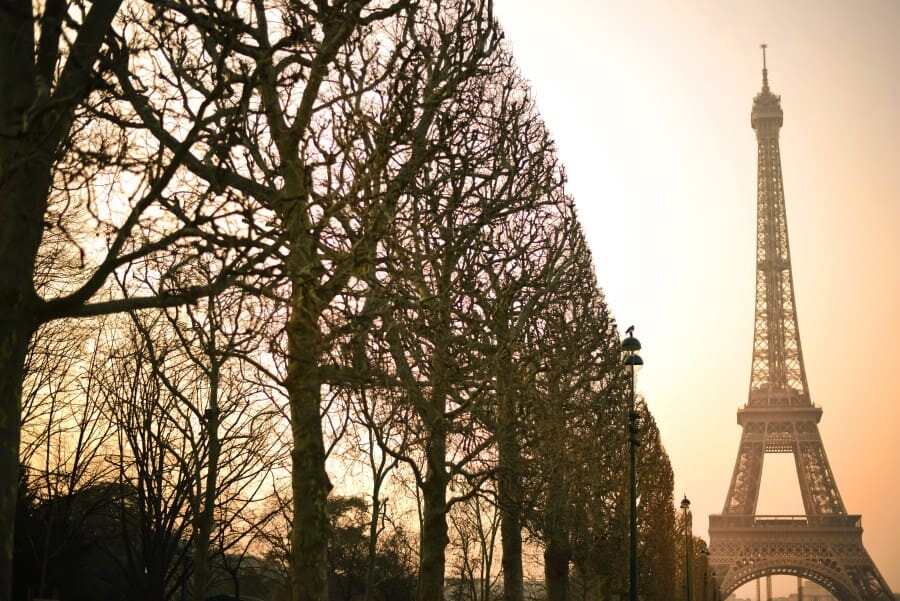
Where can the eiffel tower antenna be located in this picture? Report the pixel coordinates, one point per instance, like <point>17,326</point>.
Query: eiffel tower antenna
<point>825,544</point>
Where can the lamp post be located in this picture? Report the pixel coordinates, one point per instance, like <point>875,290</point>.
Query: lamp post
<point>630,346</point>
<point>686,513</point>
<point>715,587</point>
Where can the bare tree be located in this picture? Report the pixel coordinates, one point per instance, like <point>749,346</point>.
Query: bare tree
<point>376,418</point>
<point>379,170</point>
<point>475,526</point>
<point>154,514</point>
<point>76,189</point>
<point>460,245</point>
<point>326,125</point>
<point>656,520</point>
<point>64,444</point>
<point>529,263</point>
<point>196,353</point>
<point>566,416</point>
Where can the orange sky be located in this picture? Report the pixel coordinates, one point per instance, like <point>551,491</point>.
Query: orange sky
<point>650,105</point>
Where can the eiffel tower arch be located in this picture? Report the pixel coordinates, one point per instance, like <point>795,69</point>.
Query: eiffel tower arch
<point>825,544</point>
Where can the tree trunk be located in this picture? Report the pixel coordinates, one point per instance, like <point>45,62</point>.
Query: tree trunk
<point>236,582</point>
<point>204,517</point>
<point>434,538</point>
<point>511,535</point>
<point>509,492</point>
<point>23,188</point>
<point>558,552</point>
<point>556,569</point>
<point>309,481</point>
<point>28,143</point>
<point>201,558</point>
<point>373,540</point>
<point>14,335</point>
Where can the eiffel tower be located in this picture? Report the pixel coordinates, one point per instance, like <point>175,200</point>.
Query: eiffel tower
<point>824,545</point>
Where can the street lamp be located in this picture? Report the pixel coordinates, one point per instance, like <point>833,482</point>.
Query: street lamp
<point>715,587</point>
<point>686,513</point>
<point>630,346</point>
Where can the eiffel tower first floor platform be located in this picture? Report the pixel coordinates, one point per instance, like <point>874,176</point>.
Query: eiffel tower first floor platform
<point>825,549</point>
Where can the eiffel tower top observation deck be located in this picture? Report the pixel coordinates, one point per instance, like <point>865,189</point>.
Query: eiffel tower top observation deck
<point>778,377</point>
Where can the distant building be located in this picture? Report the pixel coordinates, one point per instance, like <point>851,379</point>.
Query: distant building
<point>459,590</point>
<point>812,592</point>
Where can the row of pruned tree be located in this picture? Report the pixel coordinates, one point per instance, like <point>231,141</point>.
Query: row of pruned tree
<point>327,237</point>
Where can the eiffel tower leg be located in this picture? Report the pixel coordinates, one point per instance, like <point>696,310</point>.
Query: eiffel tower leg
<point>817,485</point>
<point>744,490</point>
<point>868,580</point>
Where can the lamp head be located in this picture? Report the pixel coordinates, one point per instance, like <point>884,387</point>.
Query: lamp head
<point>685,504</point>
<point>633,361</point>
<point>631,344</point>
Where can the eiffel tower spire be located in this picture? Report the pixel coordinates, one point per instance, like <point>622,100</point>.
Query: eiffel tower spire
<point>825,544</point>
<point>777,373</point>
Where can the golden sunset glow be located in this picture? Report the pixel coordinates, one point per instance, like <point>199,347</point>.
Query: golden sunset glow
<point>650,105</point>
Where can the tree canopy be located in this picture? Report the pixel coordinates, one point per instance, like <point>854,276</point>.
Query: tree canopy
<point>295,302</point>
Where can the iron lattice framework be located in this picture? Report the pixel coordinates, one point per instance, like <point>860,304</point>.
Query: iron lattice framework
<point>825,544</point>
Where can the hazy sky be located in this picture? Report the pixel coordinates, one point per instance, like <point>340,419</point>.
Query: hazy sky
<point>650,105</point>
